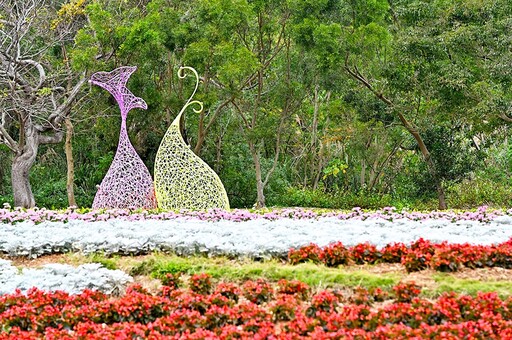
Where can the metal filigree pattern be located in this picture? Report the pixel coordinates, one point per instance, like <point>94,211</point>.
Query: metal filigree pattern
<point>182,179</point>
<point>128,183</point>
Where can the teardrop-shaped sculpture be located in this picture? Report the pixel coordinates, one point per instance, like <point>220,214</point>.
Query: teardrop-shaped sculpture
<point>182,179</point>
<point>128,183</point>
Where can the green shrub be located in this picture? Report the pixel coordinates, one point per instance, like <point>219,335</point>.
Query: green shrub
<point>479,191</point>
<point>295,197</point>
<point>172,268</point>
<point>109,263</point>
<point>144,268</point>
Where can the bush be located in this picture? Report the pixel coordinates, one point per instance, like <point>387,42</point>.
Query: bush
<point>184,314</point>
<point>325,301</point>
<point>228,290</point>
<point>311,252</point>
<point>171,280</point>
<point>258,291</point>
<point>416,260</point>
<point>300,197</point>
<point>361,296</point>
<point>293,287</point>
<point>378,294</point>
<point>335,254</point>
<point>405,292</point>
<point>501,256</point>
<point>420,255</point>
<point>283,308</point>
<point>365,253</point>
<point>445,259</point>
<point>393,252</point>
<point>201,283</point>
<point>479,191</point>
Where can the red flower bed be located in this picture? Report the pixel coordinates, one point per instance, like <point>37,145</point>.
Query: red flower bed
<point>286,310</point>
<point>420,255</point>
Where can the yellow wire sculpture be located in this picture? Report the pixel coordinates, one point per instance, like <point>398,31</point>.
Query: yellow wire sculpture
<point>182,179</point>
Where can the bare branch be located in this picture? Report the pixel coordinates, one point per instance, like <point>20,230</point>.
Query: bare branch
<point>239,110</point>
<point>9,142</point>
<point>51,139</point>
<point>14,76</point>
<point>58,116</point>
<point>214,82</point>
<point>277,152</point>
<point>40,69</point>
<point>7,23</point>
<point>54,102</point>
<point>217,112</point>
<point>359,77</point>
<point>505,117</point>
<point>6,137</point>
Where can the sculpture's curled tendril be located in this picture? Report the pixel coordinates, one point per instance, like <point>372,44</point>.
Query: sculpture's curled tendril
<point>183,75</point>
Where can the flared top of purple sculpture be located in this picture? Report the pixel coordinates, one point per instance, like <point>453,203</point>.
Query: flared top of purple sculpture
<point>115,83</point>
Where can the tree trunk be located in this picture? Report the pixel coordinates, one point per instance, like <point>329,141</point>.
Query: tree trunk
<point>260,199</point>
<point>70,184</point>
<point>314,133</point>
<point>201,134</point>
<point>439,186</point>
<point>218,148</point>
<point>21,165</point>
<point>362,177</point>
<point>203,130</point>
<point>2,175</point>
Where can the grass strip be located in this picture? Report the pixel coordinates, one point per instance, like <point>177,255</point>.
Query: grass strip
<point>448,283</point>
<point>239,270</point>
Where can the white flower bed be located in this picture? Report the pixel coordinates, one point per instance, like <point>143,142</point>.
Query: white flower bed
<point>258,238</point>
<point>62,277</point>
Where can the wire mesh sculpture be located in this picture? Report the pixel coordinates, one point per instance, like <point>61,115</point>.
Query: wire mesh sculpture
<point>182,179</point>
<point>128,183</point>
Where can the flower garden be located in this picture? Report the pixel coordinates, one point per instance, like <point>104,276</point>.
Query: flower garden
<point>314,290</point>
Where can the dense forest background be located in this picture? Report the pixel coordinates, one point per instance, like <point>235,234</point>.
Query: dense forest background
<point>326,103</point>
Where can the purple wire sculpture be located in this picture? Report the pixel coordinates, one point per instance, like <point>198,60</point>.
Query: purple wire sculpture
<point>128,183</point>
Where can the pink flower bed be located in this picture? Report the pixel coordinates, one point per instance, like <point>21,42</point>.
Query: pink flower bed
<point>36,215</point>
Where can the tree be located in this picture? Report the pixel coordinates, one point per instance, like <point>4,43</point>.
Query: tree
<point>265,98</point>
<point>37,91</point>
